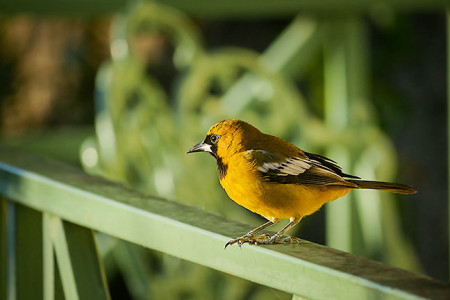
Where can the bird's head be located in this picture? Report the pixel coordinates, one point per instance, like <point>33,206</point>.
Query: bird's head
<point>227,138</point>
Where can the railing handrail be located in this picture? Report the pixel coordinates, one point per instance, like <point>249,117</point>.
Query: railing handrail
<point>308,269</point>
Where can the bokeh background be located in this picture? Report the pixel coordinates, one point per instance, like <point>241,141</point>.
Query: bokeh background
<point>124,91</point>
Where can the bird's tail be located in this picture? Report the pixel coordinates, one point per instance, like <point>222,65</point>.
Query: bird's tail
<point>384,186</point>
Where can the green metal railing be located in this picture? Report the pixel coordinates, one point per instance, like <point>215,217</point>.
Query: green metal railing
<point>54,210</point>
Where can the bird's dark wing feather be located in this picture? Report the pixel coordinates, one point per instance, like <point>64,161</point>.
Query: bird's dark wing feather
<point>326,163</point>
<point>310,170</point>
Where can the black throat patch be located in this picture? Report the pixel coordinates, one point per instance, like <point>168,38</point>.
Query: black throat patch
<point>221,167</point>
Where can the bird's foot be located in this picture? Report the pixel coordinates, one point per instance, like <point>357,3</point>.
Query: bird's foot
<point>276,239</point>
<point>251,239</point>
<point>264,239</point>
<point>289,240</point>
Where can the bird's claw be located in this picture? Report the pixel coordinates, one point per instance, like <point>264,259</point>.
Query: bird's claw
<point>264,239</point>
<point>252,240</point>
<point>290,240</point>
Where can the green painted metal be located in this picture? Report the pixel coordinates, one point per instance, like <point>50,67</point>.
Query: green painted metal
<point>28,252</point>
<point>59,290</point>
<point>86,262</point>
<point>3,248</point>
<point>79,265</point>
<point>308,270</point>
<point>62,254</point>
<point>48,258</point>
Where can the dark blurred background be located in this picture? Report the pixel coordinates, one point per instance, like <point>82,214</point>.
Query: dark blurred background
<point>49,101</point>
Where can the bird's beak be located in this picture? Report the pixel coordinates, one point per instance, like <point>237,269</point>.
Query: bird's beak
<point>200,147</point>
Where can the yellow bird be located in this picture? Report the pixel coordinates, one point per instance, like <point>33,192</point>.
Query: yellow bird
<point>275,179</point>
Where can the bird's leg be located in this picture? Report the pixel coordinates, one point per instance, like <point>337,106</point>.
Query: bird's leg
<point>249,237</point>
<point>277,238</point>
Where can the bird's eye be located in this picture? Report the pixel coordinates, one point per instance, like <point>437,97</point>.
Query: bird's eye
<point>214,138</point>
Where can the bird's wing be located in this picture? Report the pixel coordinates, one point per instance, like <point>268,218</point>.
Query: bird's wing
<point>270,163</point>
<point>328,164</point>
<point>309,169</point>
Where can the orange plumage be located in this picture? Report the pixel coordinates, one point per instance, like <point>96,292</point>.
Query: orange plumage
<point>275,179</point>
